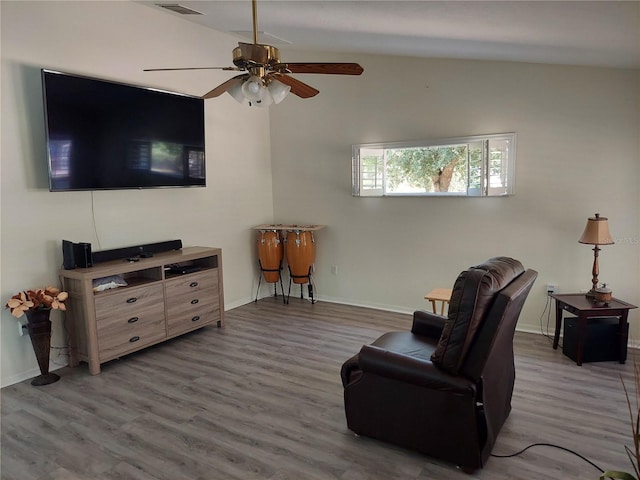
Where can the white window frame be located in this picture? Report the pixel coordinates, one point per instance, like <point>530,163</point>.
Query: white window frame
<point>486,189</point>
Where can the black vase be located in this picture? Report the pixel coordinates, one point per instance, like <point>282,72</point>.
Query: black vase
<point>39,327</point>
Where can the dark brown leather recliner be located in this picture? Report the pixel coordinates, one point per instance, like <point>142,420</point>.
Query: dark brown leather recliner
<point>444,389</point>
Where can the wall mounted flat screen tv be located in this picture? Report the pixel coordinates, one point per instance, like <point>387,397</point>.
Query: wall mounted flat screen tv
<point>106,135</point>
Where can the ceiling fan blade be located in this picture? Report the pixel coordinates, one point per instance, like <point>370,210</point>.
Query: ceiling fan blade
<point>223,87</point>
<point>297,87</point>
<point>190,68</point>
<point>319,67</point>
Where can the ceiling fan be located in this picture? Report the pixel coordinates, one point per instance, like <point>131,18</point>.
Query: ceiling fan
<point>266,78</point>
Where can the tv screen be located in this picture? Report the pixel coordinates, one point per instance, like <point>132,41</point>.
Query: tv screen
<point>108,135</point>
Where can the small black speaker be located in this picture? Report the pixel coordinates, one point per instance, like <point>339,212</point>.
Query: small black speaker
<point>68,255</point>
<point>82,252</point>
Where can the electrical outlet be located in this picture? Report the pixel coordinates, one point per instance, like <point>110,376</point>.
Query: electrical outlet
<point>334,270</point>
<point>21,328</point>
<point>552,288</point>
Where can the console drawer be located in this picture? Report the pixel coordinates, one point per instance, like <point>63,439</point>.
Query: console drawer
<point>190,284</point>
<point>127,302</point>
<point>129,319</point>
<point>192,302</point>
<point>121,340</point>
<point>181,320</point>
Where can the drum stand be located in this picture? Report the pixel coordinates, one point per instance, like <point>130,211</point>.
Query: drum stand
<point>275,284</point>
<point>308,277</point>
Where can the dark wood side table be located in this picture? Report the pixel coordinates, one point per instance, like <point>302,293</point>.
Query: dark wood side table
<point>584,308</point>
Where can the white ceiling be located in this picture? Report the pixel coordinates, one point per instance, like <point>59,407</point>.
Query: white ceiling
<point>595,33</point>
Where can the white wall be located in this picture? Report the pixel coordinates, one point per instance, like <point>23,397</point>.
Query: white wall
<point>578,153</point>
<point>116,40</point>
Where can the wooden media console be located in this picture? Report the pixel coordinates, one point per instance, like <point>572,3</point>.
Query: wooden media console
<point>165,296</point>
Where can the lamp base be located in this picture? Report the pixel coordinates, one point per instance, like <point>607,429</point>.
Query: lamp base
<point>590,294</point>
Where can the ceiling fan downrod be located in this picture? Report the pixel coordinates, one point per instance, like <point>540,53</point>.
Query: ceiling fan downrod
<point>254,7</point>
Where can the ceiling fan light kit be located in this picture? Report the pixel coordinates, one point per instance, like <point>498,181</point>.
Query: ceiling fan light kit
<point>278,90</point>
<point>267,80</point>
<point>254,91</point>
<point>236,91</point>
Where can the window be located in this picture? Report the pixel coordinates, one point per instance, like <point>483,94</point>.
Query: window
<point>166,158</point>
<point>60,153</point>
<point>463,166</point>
<point>195,159</point>
<point>60,161</point>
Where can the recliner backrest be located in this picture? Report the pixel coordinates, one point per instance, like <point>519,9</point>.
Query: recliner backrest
<point>496,335</point>
<point>474,293</point>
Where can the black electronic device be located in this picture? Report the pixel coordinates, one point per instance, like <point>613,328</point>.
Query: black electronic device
<point>68,256</point>
<point>601,343</point>
<point>76,255</point>
<point>183,269</point>
<point>108,135</point>
<point>136,251</point>
<point>83,255</point>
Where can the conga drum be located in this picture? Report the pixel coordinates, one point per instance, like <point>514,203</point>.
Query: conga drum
<point>270,253</point>
<point>301,252</point>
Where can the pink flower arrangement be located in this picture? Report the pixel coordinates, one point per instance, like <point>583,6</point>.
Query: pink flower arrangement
<point>40,299</point>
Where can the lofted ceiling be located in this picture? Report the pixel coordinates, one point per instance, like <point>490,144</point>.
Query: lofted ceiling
<point>591,33</point>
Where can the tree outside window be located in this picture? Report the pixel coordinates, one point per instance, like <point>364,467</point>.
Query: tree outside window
<point>472,166</point>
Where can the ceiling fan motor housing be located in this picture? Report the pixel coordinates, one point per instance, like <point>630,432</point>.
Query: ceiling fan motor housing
<point>247,55</point>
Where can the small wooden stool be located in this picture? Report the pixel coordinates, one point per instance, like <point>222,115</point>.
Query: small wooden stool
<point>439,295</point>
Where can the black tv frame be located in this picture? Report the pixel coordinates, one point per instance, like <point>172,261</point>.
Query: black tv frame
<point>129,124</point>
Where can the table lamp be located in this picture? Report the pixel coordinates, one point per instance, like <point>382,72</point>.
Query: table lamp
<point>596,233</point>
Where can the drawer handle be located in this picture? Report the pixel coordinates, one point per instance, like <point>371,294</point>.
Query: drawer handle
<point>194,301</point>
<point>132,300</point>
<point>193,284</point>
<point>134,339</point>
<point>133,320</point>
<point>196,318</point>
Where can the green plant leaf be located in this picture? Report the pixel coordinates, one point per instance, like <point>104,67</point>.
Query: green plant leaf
<point>617,475</point>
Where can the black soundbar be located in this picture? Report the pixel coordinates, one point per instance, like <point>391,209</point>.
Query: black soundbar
<point>140,250</point>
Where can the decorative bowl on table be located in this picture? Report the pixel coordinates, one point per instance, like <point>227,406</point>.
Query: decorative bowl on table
<point>602,294</point>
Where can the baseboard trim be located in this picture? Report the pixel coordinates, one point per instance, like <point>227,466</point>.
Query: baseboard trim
<point>22,376</point>
<point>238,303</point>
<point>376,306</point>
<point>398,309</point>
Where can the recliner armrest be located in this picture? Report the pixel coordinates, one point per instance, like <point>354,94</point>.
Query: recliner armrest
<point>349,369</point>
<point>414,370</point>
<point>427,324</point>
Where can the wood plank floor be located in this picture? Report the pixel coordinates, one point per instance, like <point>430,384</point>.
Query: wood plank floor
<point>261,398</point>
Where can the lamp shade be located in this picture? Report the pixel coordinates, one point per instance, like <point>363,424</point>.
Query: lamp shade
<point>236,92</point>
<point>253,88</point>
<point>278,90</point>
<point>596,232</point>
<point>265,101</point>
